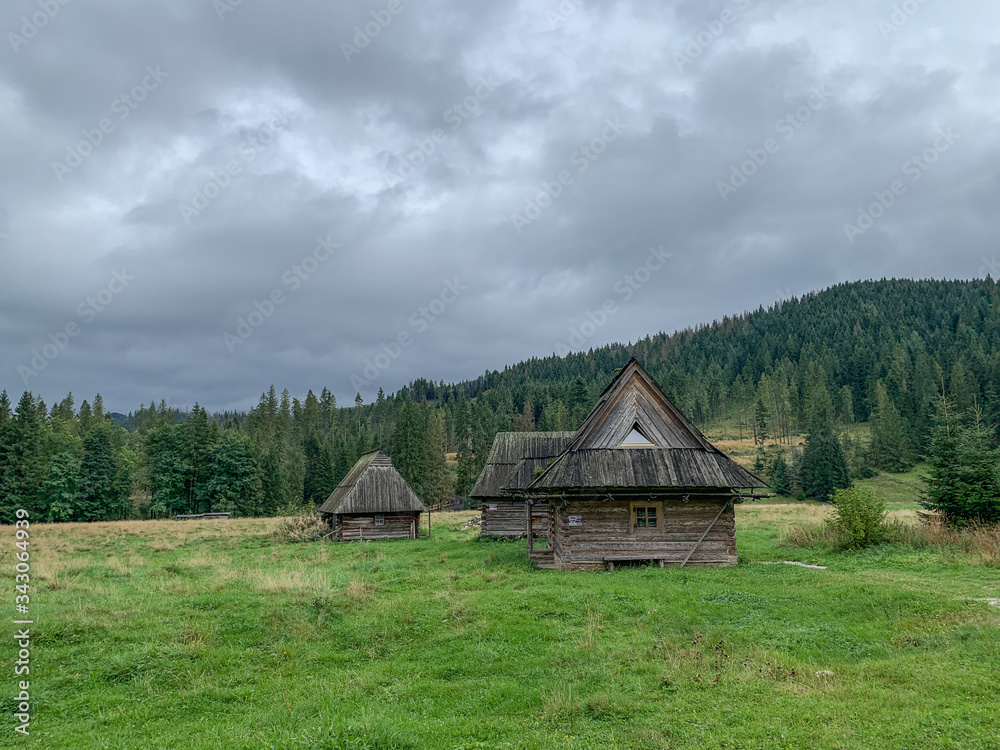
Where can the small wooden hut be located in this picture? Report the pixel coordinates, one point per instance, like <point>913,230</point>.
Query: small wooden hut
<point>373,502</point>
<point>638,483</point>
<point>515,459</point>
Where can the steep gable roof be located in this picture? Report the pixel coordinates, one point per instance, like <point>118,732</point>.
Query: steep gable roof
<point>634,400</point>
<point>509,451</point>
<point>605,453</point>
<point>372,486</point>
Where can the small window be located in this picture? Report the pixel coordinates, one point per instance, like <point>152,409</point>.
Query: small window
<point>636,439</point>
<point>379,520</point>
<point>645,518</point>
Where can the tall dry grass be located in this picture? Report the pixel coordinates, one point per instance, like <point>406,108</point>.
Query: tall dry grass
<point>304,527</point>
<point>979,543</point>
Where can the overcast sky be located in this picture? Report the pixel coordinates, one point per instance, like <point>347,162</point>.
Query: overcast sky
<point>198,200</point>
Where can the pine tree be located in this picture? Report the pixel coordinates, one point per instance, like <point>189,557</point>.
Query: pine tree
<point>168,472</point>
<point>409,452</point>
<point>579,403</point>
<point>61,487</point>
<point>85,419</point>
<point>466,477</point>
<point>439,485</point>
<point>890,445</point>
<point>233,484</point>
<point>824,466</point>
<point>964,479</point>
<point>101,495</point>
<point>7,509</point>
<point>760,421</point>
<point>526,421</point>
<point>781,481</point>
<point>197,445</point>
<point>25,467</point>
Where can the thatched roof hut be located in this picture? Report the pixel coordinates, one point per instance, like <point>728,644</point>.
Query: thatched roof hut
<point>373,502</point>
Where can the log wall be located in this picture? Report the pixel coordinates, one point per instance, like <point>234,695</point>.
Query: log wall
<point>509,521</point>
<point>358,528</point>
<point>606,534</point>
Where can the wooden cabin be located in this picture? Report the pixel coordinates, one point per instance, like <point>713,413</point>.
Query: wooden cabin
<point>638,483</point>
<point>515,459</point>
<point>373,502</point>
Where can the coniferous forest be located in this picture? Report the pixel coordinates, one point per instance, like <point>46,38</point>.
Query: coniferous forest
<point>916,362</point>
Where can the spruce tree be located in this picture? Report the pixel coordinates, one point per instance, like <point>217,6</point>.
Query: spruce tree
<point>409,452</point>
<point>781,481</point>
<point>760,421</point>
<point>61,487</point>
<point>233,484</point>
<point>168,472</point>
<point>101,495</point>
<point>439,485</point>
<point>7,508</point>
<point>964,479</point>
<point>890,445</point>
<point>824,466</point>
<point>25,466</point>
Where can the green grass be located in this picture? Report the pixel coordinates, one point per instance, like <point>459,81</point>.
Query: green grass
<point>202,635</point>
<point>899,490</point>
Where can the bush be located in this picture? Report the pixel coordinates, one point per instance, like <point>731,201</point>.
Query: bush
<point>859,517</point>
<point>305,526</point>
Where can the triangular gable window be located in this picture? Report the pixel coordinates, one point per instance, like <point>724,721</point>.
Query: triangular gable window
<point>636,439</point>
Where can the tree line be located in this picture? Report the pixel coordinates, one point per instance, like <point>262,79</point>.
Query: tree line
<point>878,352</point>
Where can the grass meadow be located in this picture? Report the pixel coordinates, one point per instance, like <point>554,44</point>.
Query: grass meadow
<point>165,634</point>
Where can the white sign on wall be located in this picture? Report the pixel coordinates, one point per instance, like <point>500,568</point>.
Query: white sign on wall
<point>491,506</point>
<point>576,520</point>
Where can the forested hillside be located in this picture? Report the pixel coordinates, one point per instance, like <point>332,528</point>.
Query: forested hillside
<point>873,351</point>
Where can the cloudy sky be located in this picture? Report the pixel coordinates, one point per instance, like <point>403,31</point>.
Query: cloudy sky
<point>200,199</point>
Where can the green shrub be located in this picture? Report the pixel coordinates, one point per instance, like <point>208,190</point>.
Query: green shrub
<point>859,517</point>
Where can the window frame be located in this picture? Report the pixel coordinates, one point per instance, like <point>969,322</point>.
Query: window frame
<point>645,506</point>
<point>379,519</point>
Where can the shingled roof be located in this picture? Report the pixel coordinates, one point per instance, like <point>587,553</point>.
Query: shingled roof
<point>636,438</point>
<point>513,458</point>
<point>373,486</point>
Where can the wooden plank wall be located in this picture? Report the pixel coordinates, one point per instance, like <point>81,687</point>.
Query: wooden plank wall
<point>357,528</point>
<point>508,520</point>
<point>606,534</point>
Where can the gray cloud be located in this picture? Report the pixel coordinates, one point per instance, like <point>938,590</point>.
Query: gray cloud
<point>556,73</point>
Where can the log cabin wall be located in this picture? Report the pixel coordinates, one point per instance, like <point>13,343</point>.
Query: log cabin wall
<point>591,533</point>
<point>555,532</point>
<point>507,519</point>
<point>362,527</point>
